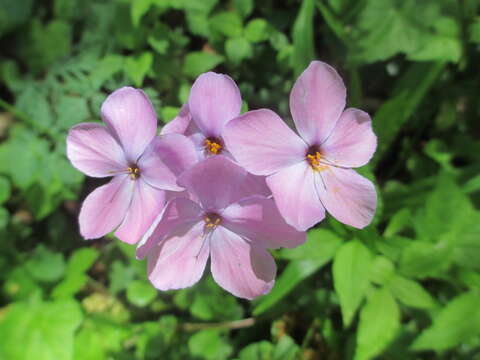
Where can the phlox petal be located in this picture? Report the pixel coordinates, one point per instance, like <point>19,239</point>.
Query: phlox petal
<point>295,194</point>
<point>317,101</point>
<point>258,219</point>
<point>352,141</point>
<point>262,143</point>
<point>93,150</point>
<point>245,271</point>
<point>105,208</point>
<point>348,196</point>
<point>130,115</point>
<point>180,260</point>
<point>214,100</point>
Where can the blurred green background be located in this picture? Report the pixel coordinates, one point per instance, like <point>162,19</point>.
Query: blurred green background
<point>406,287</point>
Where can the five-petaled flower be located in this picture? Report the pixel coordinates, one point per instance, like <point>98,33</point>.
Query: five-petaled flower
<point>143,166</point>
<point>312,171</point>
<point>214,100</point>
<point>228,218</point>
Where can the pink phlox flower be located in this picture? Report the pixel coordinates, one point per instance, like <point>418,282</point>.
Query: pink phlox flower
<point>143,166</point>
<point>312,171</point>
<point>214,100</point>
<point>231,220</point>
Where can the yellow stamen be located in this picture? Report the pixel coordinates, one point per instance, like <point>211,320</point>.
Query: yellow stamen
<point>212,146</point>
<point>211,221</point>
<point>314,161</point>
<point>134,172</point>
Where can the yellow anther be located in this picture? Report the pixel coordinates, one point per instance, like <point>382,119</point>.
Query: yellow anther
<point>211,221</point>
<point>314,161</point>
<point>134,172</point>
<point>212,146</point>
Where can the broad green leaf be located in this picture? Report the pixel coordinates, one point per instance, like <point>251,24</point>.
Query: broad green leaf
<point>302,35</point>
<point>169,113</point>
<point>410,293</point>
<point>140,293</point>
<point>244,7</point>
<point>379,323</point>
<point>209,344</point>
<point>138,9</point>
<point>401,220</point>
<point>238,49</point>
<point>351,277</point>
<point>382,270</point>
<point>261,350</point>
<point>320,252</point>
<point>408,93</point>
<point>5,189</point>
<point>388,27</point>
<point>137,67</point>
<point>46,265</point>
<point>257,30</point>
<point>40,331</point>
<point>285,349</point>
<point>423,259</point>
<point>456,323</point>
<point>200,62</point>
<point>227,23</point>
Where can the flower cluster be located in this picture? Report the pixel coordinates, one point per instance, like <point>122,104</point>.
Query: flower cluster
<point>220,185</point>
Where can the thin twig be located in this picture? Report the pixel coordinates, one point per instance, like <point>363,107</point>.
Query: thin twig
<point>237,324</point>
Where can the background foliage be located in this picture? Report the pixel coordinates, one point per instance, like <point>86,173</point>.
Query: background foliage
<point>406,287</point>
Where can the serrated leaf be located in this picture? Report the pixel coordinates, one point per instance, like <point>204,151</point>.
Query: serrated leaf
<point>458,322</point>
<point>379,323</point>
<point>351,277</point>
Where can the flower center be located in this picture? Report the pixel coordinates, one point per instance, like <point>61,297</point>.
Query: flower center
<point>213,145</point>
<point>314,158</point>
<point>134,172</point>
<point>212,220</point>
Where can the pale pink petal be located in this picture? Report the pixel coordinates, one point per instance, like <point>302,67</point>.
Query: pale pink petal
<point>262,143</point>
<point>258,219</point>
<point>180,260</point>
<point>295,194</point>
<point>317,101</point>
<point>147,203</point>
<point>130,115</point>
<point>93,150</point>
<point>218,182</point>
<point>352,142</point>
<point>182,124</point>
<point>239,268</point>
<point>347,196</point>
<point>165,159</point>
<point>105,208</point>
<point>214,100</point>
<point>178,212</point>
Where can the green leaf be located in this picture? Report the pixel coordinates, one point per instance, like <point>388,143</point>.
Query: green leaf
<point>46,265</point>
<point>138,9</point>
<point>243,7</point>
<point>120,276</point>
<point>407,95</point>
<point>208,344</point>
<point>302,35</point>
<point>140,293</point>
<point>40,331</point>
<point>71,110</point>
<point>475,31</point>
<point>410,293</point>
<point>320,252</point>
<point>379,323</point>
<point>5,189</point>
<point>227,23</point>
<point>351,277</point>
<point>382,270</point>
<point>456,323</point>
<point>387,27</point>
<point>105,69</point>
<point>169,113</point>
<point>199,62</point>
<point>423,259</point>
<point>14,13</point>
<point>137,67</point>
<point>238,49</point>
<point>261,350</point>
<point>286,349</point>
<point>257,30</point>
